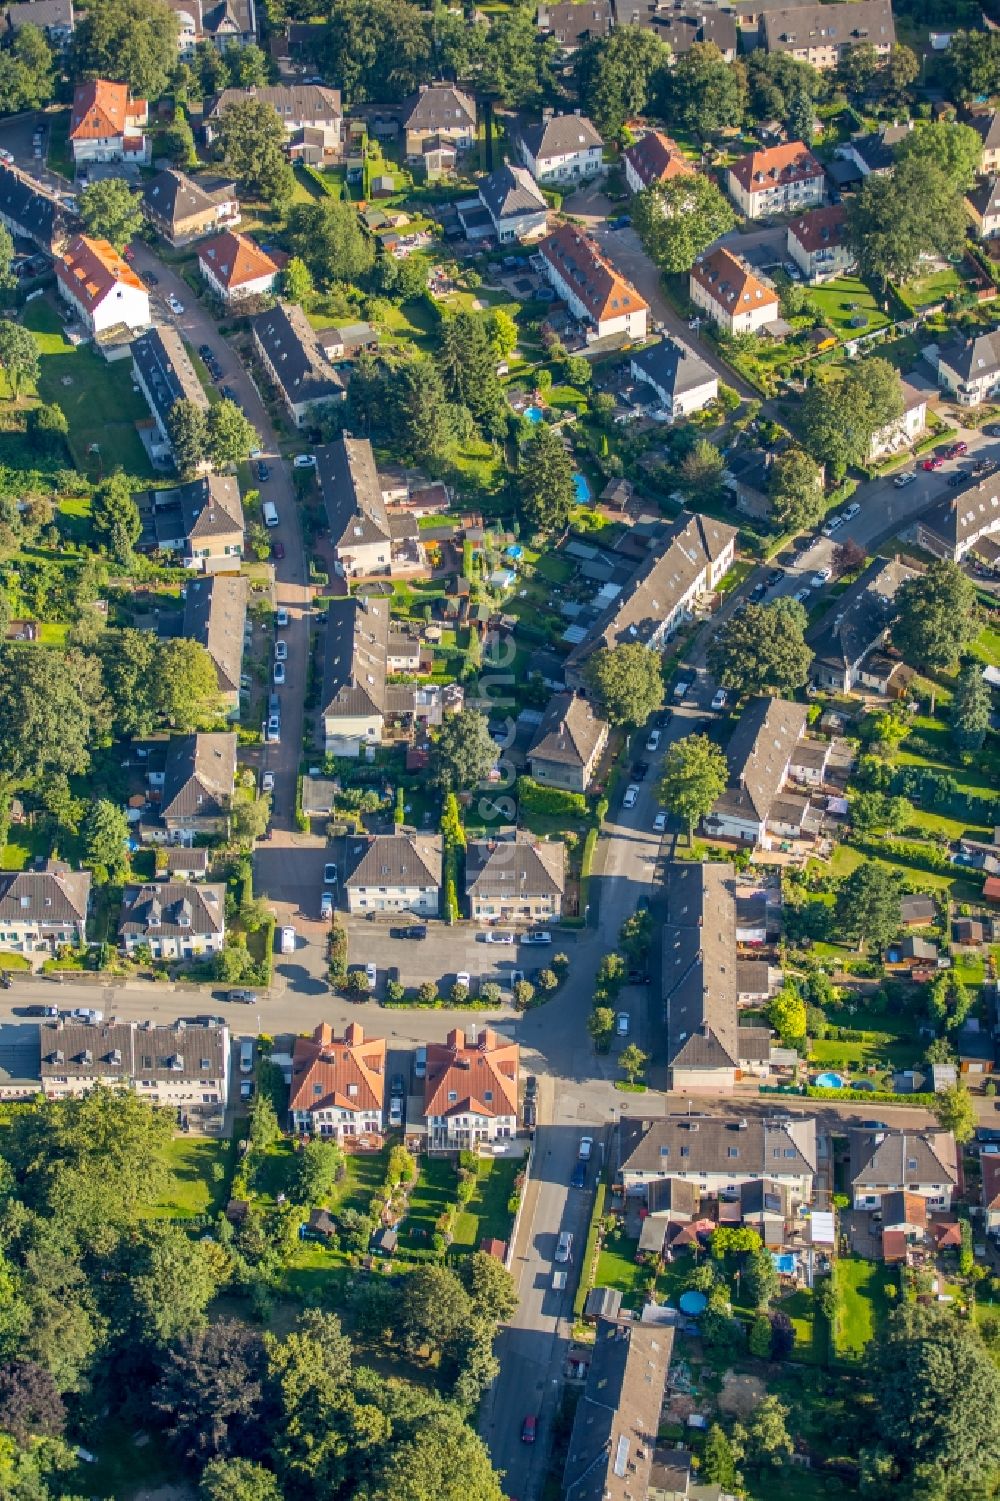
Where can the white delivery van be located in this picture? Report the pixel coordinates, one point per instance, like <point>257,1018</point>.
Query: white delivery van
<point>270,511</point>
<point>246,1056</point>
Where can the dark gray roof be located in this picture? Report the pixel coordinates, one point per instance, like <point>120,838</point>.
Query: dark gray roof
<point>394,860</point>
<point>199,775</point>
<point>961,514</point>
<point>845,25</point>
<point>985,197</point>
<point>133,1050</point>
<point>988,126</point>
<point>573,23</point>
<point>167,372</point>
<point>758,754</point>
<point>182,859</point>
<point>673,367</point>
<point>610,1452</point>
<point>753,977</point>
<point>974,358</point>
<point>214,614</point>
<point>510,191</point>
<point>560,135</point>
<point>79,1050</point>
<point>918,909</point>
<point>207,507</point>
<point>440,107</point>
<point>173,196</point>
<point>513,867</point>
<point>47,15</point>
<point>352,493</point>
<point>229,18</point>
<point>699,965</point>
<point>357,643</point>
<point>172,909</point>
<point>55,894</point>
<point>859,619</point>
<point>898,1158</point>
<point>779,1146</point>
<point>300,103</point>
<point>569,731</point>
<point>20,1057</point>
<point>878,148</point>
<point>681,25</point>
<point>29,211</point>
<point>296,355</point>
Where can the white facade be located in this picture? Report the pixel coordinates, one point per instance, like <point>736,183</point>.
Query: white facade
<point>467,1131</point>
<point>120,304</point>
<point>567,166</point>
<point>683,403</point>
<point>633,324</point>
<point>751,307</point>
<point>423,900</point>
<point>345,734</point>
<point>258,286</point>
<point>760,201</point>
<point>901,433</point>
<point>824,263</point>
<point>337,1124</point>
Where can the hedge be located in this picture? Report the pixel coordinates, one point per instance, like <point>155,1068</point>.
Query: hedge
<point>551,802</point>
<point>875,1096</point>
<point>588,1265</point>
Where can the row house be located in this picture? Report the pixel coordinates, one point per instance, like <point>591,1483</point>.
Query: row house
<point>308,111</point>
<point>822,35</point>
<point>358,702</point>
<point>440,116</point>
<point>857,626</point>
<point>356,512</point>
<point>201,521</point>
<point>173,919</point>
<point>983,205</point>
<point>652,159</point>
<point>512,877</point>
<point>573,23</point>
<point>885,1161</point>
<point>718,1153</point>
<point>958,524</point>
<point>398,872</point>
<point>567,746</point>
<point>224,23</point>
<point>182,1066</point>
<point>183,209</point>
<point>291,353</point>
<point>757,805</point>
<point>236,268</point>
<point>192,789</point>
<point>42,910</point>
<point>31,212</point>
<point>215,613</point>
<point>593,290</point>
<point>338,1084</point>
<point>165,374</point>
<point>55,18</point>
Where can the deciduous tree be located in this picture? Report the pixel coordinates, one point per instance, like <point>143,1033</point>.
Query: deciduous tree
<point>253,144</point>
<point>956,149</point>
<point>787,1014</point>
<point>329,238</point>
<point>115,518</point>
<point>187,686</point>
<point>627,681</point>
<point>188,430</point>
<point>464,751</point>
<point>105,836</point>
<point>694,778</point>
<point>445,1460</point>
<point>970,709</point>
<point>212,1394</point>
<point>53,711</point>
<point>632,1061</point>
<point>762,649</point>
<point>838,422</point>
<point>296,281</point>
<point>30,1402</point>
<point>316,1169</point>
<point>899,216</point>
<point>237,1480</point>
<point>18,355</point>
<point>705,93</point>
<point>955,1111</point>
<point>131,40</point>
<point>795,485</point>
<point>937,616</point>
<point>616,75</point>
<point>678,219</point>
<point>230,436</point>
<point>111,211</point>
<point>868,905</point>
<point>27,74</point>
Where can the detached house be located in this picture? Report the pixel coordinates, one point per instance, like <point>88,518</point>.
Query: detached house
<point>174,919</point>
<point>162,369</point>
<point>987,125</point>
<point>235,268</point>
<point>43,909</point>
<point>957,523</point>
<point>470,1091</point>
<point>509,207</point>
<point>310,113</point>
<point>816,243</point>
<point>398,872</point>
<point>730,293</point>
<point>856,626</point>
<point>439,116</point>
<point>682,380</point>
<point>822,35</point>
<point>874,152</point>
<point>654,158</point>
<point>719,1153</point>
<point>514,877</point>
<point>101,287</point>
<point>568,744</point>
<point>296,362</point>
<point>338,1083</point>
<point>781,180</point>
<point>756,808</point>
<point>573,23</point>
<point>886,1161</point>
<point>202,521</point>
<point>561,148</point>
<point>904,430</point>
<point>224,23</point>
<point>54,17</point>
<point>595,293</point>
<point>215,610</point>
<point>196,787</point>
<point>182,209</point>
<point>106,125</point>
<point>969,369</point>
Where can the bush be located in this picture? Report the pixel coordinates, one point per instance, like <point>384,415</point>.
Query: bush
<point>549,802</point>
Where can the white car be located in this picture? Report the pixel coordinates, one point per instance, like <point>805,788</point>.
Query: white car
<point>86,1014</point>
<point>681,691</point>
<point>499,937</point>
<point>631,796</point>
<point>304,461</point>
<point>288,940</point>
<point>621,1024</point>
<point>653,743</point>
<point>801,596</point>
<point>395,1113</point>
<point>281,616</point>
<point>564,1245</point>
<point>267,782</point>
<point>853,510</point>
<point>175,304</point>
<point>719,699</point>
<point>819,578</point>
<point>279,673</point>
<point>539,936</point>
<point>281,651</point>
<point>464,978</point>
<point>904,479</point>
<point>371,970</point>
<point>660,822</point>
<point>326,905</point>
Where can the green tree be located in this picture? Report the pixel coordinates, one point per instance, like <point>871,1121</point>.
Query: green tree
<point>838,423</point>
<point>678,219</point>
<point>627,682</point>
<point>444,1460</point>
<point>490,1287</point>
<point>760,1337</point>
<point>115,518</point>
<point>131,40</point>
<point>601,1024</point>
<point>956,149</point>
<point>801,117</point>
<point>253,144</point>
<point>467,361</point>
<point>187,686</point>
<point>900,69</point>
<point>938,616</point>
<point>422,419</point>
<point>632,1061</point>
<point>759,1280</point>
<point>970,709</point>
<point>316,1170</point>
<point>694,778</point>
<point>230,436</point>
<point>786,1012</point>
<point>718,1464</point>
<point>376,49</point>
<point>237,1480</point>
<point>617,75</point>
<point>972,65</point>
<point>27,74</point>
<point>111,211</point>
<point>188,429</point>
<point>18,355</point>
<point>177,142</point>
<point>858,67</point>
<point>949,1000</point>
<point>7,278</point>
<point>768,1440</point>
<point>329,238</point>
<point>212,1391</point>
<point>955,1111</point>
<point>546,488</point>
<point>762,649</point>
<point>47,428</point>
<point>795,485</point>
<point>296,281</point>
<point>701,470</point>
<point>434,1308</point>
<point>516,66</point>
<point>106,835</point>
<point>706,94</point>
<point>868,905</point>
<point>464,751</point>
<point>30,1401</point>
<point>53,711</point>
<point>503,333</point>
<point>898,216</point>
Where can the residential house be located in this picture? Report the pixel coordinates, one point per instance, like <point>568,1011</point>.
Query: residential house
<point>707,1049</point>
<point>568,744</point>
<point>183,1066</point>
<point>573,24</point>
<point>874,152</point>
<point>173,919</point>
<point>983,205</point>
<point>817,244</point>
<point>236,268</point>
<point>687,565</point>
<point>969,369</point>
<point>196,793</point>
<point>106,124</point>
<point>654,158</point>
<point>675,1477</point>
<point>682,380</point>
<point>398,872</point>
<point>561,148</point>
<point>183,209</point>
<point>162,369</point>
<point>596,294</point>
<point>960,521</point>
<point>885,1161</point>
<point>358,701</point>
<point>338,1083</point>
<point>617,1419</point>
<point>731,294</point>
<point>976,1052</point>
<point>201,520</point>
<point>356,512</point>
<point>904,430</point>
<point>183,864</point>
<point>224,23</point>
<point>778,180</point>
<point>718,1153</point>
<point>30,211</point>
<point>310,113</point>
<point>439,116</point>
<point>470,1091</point>
<point>42,909</point>
<point>681,23</point>
<point>989,1163</point>
<point>987,124</point>
<point>101,287</point>
<point>756,806</point>
<point>509,207</point>
<point>514,877</point>
<point>918,911</point>
<point>215,610</point>
<point>822,35</point>
<point>54,17</point>
<point>349,340</point>
<point>294,359</point>
<point>855,626</point>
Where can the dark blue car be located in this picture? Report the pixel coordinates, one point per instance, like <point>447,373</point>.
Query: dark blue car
<point>579,1178</point>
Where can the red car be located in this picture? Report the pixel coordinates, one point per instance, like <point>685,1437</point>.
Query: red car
<point>528,1429</point>
<point>934,462</point>
<point>277,550</point>
<point>956,450</point>
<point>129,254</point>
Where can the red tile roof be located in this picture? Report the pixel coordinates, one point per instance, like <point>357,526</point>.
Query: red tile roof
<point>101,109</point>
<point>488,1066</point>
<point>346,1073</point>
<point>991,888</point>
<point>821,228</point>
<point>761,170</point>
<point>656,158</point>
<point>989,1162</point>
<point>601,289</point>
<point>91,269</point>
<point>234,259</point>
<point>731,284</point>
<point>894,1245</point>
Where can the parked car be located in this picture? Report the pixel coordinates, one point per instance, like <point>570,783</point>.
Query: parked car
<point>329,873</point>
<point>586,1147</point>
<point>530,1087</point>
<point>371,970</point>
<point>853,510</point>
<point>960,477</point>
<point>288,940</point>
<point>304,461</point>
<point>37,1010</point>
<point>934,462</point>
<point>820,577</point>
<point>263,473</point>
<point>538,935</point>
<point>281,651</point>
<point>326,906</point>
<point>86,1014</point>
<point>631,796</point>
<point>493,937</point>
<point>242,997</point>
<point>564,1247</point>
<point>758,591</point>
<point>801,596</point>
<point>279,673</point>
<point>280,616</point>
<point>834,524</point>
<point>277,550</point>
<point>653,743</point>
<point>267,782</point>
<point>660,822</point>
<point>529,1428</point>
<point>579,1178</point>
<point>175,304</point>
<point>272,733</point>
<point>774,577</point>
<point>395,1114</point>
<point>956,450</point>
<point>682,690</point>
<point>415,930</point>
<point>621,1024</point>
<point>904,479</point>
<point>639,769</point>
<point>719,699</point>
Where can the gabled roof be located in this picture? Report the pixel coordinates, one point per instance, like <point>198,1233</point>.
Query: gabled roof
<point>295,354</point>
<point>877,149</point>
<point>352,493</point>
<point>510,191</point>
<point>440,107</point>
<point>101,110</point>
<point>209,507</point>
<point>477,1076</point>
<point>960,515</point>
<point>902,1208</point>
<point>886,1157</point>
<point>777,1147</point>
<point>989,1162</point>
<point>235,260</point>
<point>776,166</point>
<point>681,25</point>
<point>214,615</point>
<point>610,1453</point>
<point>758,754</point>
<point>394,860</point>
<point>48,15</point>
<point>294,103</point>
<point>985,197</point>
<point>820,229</point>
<point>166,369</point>
<point>35,213</point>
<point>560,135</point>
<point>699,966</point>
<point>673,367</point>
<point>172,909</point>
<point>512,868</point>
<point>357,645</point>
<point>343,1073</point>
<point>656,158</point>
<point>988,126</point>
<point>732,284</point>
<point>51,895</point>
<point>130,1050</point>
<point>849,24</point>
<point>859,619</point>
<point>93,269</point>
<point>572,23</point>
<point>577,259</point>
<point>975,358</point>
<point>569,731</point>
<point>174,197</point>
<point>199,776</point>
<point>229,18</point>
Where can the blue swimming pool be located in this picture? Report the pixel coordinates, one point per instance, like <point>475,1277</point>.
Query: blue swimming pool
<point>533,414</point>
<point>784,1262</point>
<point>582,486</point>
<point>831,1081</point>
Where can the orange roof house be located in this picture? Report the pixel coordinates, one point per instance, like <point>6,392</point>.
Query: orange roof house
<point>104,289</point>
<point>760,171</point>
<point>654,158</point>
<point>730,292</point>
<point>595,291</point>
<point>473,1076</point>
<point>105,122</point>
<point>236,267</point>
<point>338,1083</point>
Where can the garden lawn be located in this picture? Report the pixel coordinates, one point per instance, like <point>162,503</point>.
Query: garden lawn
<point>810,1331</point>
<point>863,1303</point>
<point>486,1216</point>
<point>923,291</point>
<point>411,323</point>
<point>617,1267</point>
<point>846,298</point>
<point>192,1189</point>
<point>432,1195</point>
<point>99,402</point>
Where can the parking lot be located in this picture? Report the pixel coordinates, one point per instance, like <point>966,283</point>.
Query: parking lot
<point>446,953</point>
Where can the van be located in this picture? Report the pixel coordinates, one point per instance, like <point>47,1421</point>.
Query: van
<point>564,1246</point>
<point>270,512</point>
<point>246,1056</point>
